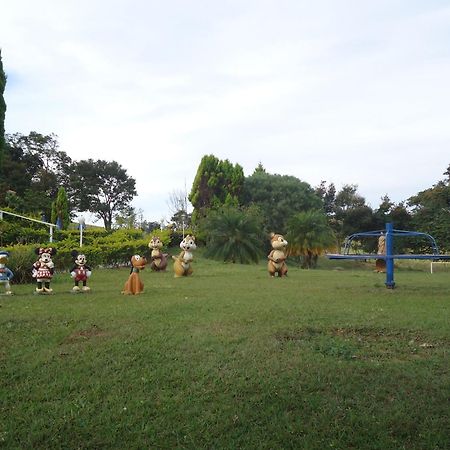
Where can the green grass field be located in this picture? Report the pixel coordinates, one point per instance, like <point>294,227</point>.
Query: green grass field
<point>229,359</point>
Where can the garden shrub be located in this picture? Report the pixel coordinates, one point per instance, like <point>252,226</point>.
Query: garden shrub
<point>102,249</point>
<point>12,233</point>
<point>20,261</point>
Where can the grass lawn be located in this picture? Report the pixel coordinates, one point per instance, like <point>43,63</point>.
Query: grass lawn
<point>229,358</point>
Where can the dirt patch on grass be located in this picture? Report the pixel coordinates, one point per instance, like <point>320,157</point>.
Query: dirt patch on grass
<point>364,343</point>
<point>94,332</point>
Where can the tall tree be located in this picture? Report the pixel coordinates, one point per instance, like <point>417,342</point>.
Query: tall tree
<point>103,188</point>
<point>389,211</point>
<point>279,197</point>
<point>178,206</point>
<point>431,211</point>
<point>60,210</point>
<point>34,168</point>
<point>216,183</point>
<point>2,110</point>
<point>328,196</point>
<point>350,213</point>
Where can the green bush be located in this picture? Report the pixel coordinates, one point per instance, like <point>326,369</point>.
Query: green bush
<point>21,259</point>
<point>106,249</point>
<point>11,233</point>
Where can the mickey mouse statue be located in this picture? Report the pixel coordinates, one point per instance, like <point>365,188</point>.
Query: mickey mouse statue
<point>5,273</point>
<point>43,269</point>
<point>80,272</point>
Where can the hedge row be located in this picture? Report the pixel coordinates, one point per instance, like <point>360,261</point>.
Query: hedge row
<point>102,249</point>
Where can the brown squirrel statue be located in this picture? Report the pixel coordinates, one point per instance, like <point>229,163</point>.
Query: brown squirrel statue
<point>182,262</point>
<point>134,285</point>
<point>277,257</point>
<point>158,259</point>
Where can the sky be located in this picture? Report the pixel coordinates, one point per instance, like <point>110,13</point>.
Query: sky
<point>348,91</point>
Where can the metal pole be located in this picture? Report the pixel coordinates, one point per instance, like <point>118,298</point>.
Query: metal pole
<point>390,284</point>
<point>51,234</point>
<point>81,222</point>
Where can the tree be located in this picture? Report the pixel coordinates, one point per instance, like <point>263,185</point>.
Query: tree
<point>431,211</point>
<point>233,234</point>
<point>101,187</point>
<point>279,197</point>
<point>350,213</point>
<point>389,211</point>
<point>2,110</point>
<point>60,210</point>
<point>34,168</point>
<point>259,168</point>
<point>178,208</point>
<point>216,183</point>
<point>129,218</point>
<point>328,196</point>
<point>309,235</point>
<point>149,226</point>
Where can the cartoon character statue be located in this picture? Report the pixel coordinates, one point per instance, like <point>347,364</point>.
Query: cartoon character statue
<point>134,285</point>
<point>182,262</point>
<point>158,258</point>
<point>80,272</point>
<point>6,274</point>
<point>380,264</point>
<point>43,269</point>
<point>277,257</point>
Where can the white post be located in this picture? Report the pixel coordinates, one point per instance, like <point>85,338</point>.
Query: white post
<point>51,234</point>
<point>81,221</point>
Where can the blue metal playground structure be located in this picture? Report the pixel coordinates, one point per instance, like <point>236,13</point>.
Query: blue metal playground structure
<point>388,256</point>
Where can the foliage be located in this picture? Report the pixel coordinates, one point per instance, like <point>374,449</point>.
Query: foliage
<point>20,261</point>
<point>101,247</point>
<point>34,170</point>
<point>278,197</point>
<point>101,187</point>
<point>309,236</point>
<point>328,196</point>
<point>233,234</point>
<point>346,210</point>
<point>216,183</point>
<point>129,217</point>
<point>60,210</point>
<point>228,359</point>
<point>431,211</point>
<point>149,226</point>
<point>2,111</point>
<point>10,234</point>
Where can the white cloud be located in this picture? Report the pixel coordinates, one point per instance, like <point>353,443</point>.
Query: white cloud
<point>348,92</point>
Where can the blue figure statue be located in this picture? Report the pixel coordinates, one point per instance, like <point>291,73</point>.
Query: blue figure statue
<point>6,274</point>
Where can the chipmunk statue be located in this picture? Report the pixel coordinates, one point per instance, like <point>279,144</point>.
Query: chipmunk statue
<point>134,285</point>
<point>158,259</point>
<point>277,257</point>
<point>182,262</point>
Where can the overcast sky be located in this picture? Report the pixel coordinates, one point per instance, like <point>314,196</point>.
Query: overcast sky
<point>347,91</point>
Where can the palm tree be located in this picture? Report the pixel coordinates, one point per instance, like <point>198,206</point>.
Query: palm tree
<point>309,235</point>
<point>233,235</point>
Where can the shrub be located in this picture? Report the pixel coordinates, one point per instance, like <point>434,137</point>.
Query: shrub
<point>233,235</point>
<point>21,259</point>
<point>107,249</point>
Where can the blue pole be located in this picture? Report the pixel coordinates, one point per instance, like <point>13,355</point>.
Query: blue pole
<point>390,283</point>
